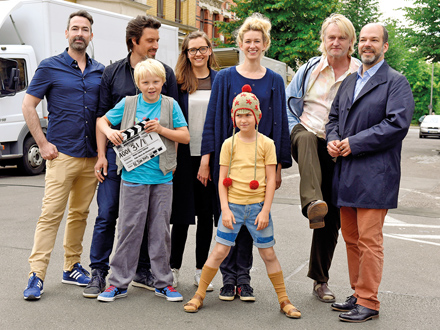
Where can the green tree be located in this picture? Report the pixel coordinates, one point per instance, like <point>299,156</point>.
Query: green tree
<point>414,67</point>
<point>418,73</point>
<point>398,54</point>
<point>423,31</point>
<point>295,26</point>
<point>360,12</point>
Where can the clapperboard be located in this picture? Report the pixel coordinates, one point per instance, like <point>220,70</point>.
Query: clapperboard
<point>138,146</point>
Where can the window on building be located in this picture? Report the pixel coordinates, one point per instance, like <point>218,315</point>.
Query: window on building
<point>215,18</point>
<point>160,8</point>
<point>178,17</point>
<point>202,15</point>
<point>205,21</point>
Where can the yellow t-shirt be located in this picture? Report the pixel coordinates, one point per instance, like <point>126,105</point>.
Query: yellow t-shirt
<point>242,168</point>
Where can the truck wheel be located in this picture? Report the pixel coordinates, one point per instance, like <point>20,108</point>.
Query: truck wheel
<point>31,163</point>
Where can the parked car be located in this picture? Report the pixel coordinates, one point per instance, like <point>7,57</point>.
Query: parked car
<point>430,126</point>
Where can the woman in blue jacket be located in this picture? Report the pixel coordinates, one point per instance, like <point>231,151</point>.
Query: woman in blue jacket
<point>253,39</point>
<point>191,197</point>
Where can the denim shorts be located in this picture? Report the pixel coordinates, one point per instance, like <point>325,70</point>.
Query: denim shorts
<point>246,215</point>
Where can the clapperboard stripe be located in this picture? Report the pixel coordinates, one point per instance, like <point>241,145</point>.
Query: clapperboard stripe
<point>129,132</point>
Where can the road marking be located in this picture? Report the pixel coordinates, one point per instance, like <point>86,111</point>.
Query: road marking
<point>297,270</point>
<point>411,225</point>
<point>391,220</point>
<point>428,195</point>
<point>418,236</point>
<point>412,240</point>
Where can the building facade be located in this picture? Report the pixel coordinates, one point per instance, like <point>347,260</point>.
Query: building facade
<point>210,11</point>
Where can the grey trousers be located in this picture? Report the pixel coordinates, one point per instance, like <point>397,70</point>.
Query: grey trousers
<point>143,205</point>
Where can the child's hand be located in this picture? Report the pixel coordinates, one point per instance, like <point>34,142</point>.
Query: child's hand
<point>262,220</point>
<point>115,136</point>
<point>153,126</point>
<point>228,218</point>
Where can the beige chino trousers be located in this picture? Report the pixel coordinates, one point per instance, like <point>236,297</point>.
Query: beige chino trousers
<point>68,179</point>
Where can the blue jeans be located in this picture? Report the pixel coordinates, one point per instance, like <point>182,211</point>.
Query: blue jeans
<point>108,209</point>
<point>246,215</point>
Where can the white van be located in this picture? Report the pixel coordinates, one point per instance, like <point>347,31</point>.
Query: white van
<point>32,30</point>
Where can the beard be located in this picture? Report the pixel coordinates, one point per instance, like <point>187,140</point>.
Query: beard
<point>78,46</point>
<point>372,60</point>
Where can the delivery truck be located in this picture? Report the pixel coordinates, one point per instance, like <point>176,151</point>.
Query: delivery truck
<point>32,30</point>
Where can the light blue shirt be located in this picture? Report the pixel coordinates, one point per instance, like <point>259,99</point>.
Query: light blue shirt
<point>362,81</point>
<point>149,172</point>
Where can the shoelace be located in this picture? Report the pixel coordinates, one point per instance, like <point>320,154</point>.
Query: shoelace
<point>111,288</point>
<point>81,269</point>
<point>34,281</point>
<point>171,289</point>
<point>247,288</point>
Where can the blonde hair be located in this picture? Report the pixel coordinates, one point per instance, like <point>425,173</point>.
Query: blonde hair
<point>346,27</point>
<point>151,66</point>
<point>255,22</point>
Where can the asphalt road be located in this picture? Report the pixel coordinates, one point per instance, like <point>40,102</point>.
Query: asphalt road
<point>409,293</point>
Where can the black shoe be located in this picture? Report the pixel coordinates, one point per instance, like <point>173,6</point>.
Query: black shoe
<point>245,292</point>
<point>227,292</point>
<point>346,306</point>
<point>96,284</point>
<point>144,279</point>
<point>359,314</point>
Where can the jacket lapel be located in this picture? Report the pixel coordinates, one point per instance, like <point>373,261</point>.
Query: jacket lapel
<point>349,90</point>
<point>379,78</point>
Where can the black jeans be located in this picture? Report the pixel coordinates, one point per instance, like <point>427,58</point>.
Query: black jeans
<point>236,267</point>
<point>179,234</point>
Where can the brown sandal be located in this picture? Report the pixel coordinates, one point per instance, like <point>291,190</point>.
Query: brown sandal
<point>323,292</point>
<point>194,304</point>
<point>292,313</point>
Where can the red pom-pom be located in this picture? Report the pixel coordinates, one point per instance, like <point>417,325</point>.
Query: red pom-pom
<point>246,88</point>
<point>227,182</point>
<point>253,184</point>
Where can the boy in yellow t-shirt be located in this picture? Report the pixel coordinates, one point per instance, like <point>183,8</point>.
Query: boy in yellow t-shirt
<point>246,189</point>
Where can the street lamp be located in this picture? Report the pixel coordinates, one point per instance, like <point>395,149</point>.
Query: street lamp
<point>432,88</point>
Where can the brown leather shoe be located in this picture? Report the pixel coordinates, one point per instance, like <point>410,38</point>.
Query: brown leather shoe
<point>323,293</point>
<point>316,212</point>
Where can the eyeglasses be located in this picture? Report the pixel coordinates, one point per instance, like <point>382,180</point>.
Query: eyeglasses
<point>202,50</point>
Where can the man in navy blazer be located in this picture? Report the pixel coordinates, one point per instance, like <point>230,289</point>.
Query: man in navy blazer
<point>370,117</point>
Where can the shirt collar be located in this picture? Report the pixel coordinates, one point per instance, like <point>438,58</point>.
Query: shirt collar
<point>70,61</point>
<point>371,71</point>
<point>127,60</point>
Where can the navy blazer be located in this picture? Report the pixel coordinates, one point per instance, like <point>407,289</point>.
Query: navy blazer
<point>375,124</point>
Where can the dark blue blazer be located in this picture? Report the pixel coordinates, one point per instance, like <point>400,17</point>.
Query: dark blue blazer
<point>375,124</point>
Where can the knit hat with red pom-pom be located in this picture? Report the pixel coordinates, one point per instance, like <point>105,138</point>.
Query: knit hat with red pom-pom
<point>242,104</point>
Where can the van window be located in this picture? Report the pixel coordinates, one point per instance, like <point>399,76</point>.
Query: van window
<point>6,75</point>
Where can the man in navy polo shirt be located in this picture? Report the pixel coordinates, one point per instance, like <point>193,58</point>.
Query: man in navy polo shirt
<point>142,39</point>
<point>70,82</point>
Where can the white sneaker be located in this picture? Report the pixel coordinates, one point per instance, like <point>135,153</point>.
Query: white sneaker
<point>197,280</point>
<point>175,276</point>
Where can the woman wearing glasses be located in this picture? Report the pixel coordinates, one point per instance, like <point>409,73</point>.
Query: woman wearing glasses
<point>253,39</point>
<point>191,198</point>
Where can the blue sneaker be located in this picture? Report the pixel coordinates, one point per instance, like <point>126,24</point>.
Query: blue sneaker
<point>78,275</point>
<point>170,293</point>
<point>34,288</point>
<point>112,293</point>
